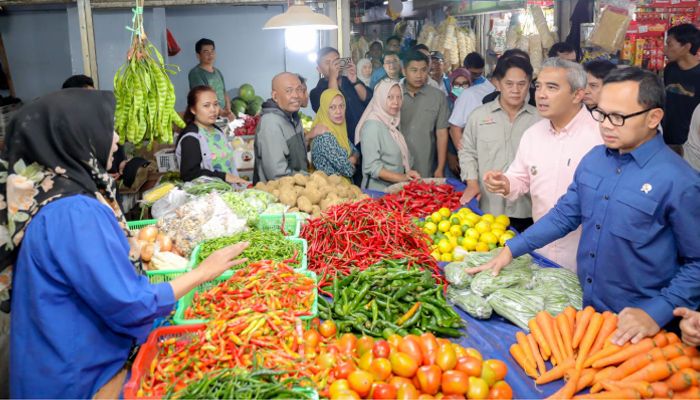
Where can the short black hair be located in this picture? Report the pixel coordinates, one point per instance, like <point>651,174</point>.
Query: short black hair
<point>415,55</point>
<point>504,64</point>
<point>203,42</point>
<point>420,46</point>
<point>560,47</point>
<point>390,53</point>
<point>390,38</point>
<point>515,53</point>
<point>686,33</point>
<point>324,52</point>
<point>654,93</point>
<point>474,60</point>
<point>599,68</point>
<point>301,79</point>
<point>78,81</point>
<point>377,43</point>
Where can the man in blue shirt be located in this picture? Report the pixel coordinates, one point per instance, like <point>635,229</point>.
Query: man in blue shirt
<point>639,205</point>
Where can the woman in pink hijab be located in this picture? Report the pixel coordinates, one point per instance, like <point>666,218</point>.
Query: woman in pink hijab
<point>385,156</point>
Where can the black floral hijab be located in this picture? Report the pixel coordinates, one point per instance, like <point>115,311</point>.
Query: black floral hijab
<point>57,146</point>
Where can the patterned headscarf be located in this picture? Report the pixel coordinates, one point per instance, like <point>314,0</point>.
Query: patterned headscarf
<point>377,110</point>
<point>323,117</point>
<point>51,152</point>
<point>456,74</point>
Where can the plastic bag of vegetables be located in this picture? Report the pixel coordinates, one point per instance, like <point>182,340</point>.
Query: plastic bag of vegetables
<point>456,274</point>
<point>484,283</point>
<point>241,207</point>
<point>559,278</point>
<point>470,302</point>
<point>516,305</point>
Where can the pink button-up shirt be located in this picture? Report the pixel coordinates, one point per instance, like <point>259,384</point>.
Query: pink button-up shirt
<point>544,166</point>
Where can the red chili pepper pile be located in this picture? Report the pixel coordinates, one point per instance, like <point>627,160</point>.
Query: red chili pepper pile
<point>420,199</point>
<point>362,234</point>
<point>262,286</point>
<point>271,340</point>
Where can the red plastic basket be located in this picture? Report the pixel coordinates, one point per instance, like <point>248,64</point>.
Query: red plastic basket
<point>149,351</point>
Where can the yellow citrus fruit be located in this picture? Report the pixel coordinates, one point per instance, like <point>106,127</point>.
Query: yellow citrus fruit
<point>455,221</point>
<point>458,257</point>
<point>453,241</point>
<point>497,232</point>
<point>436,217</point>
<point>482,247</point>
<point>488,238</point>
<point>464,210</point>
<point>472,218</point>
<point>456,230</point>
<point>472,233</point>
<point>503,220</point>
<point>446,257</point>
<point>492,246</point>
<point>430,228</point>
<point>469,243</point>
<point>465,228</point>
<point>444,246</point>
<point>488,217</point>
<point>504,237</point>
<point>445,212</point>
<point>444,226</point>
<point>498,226</point>
<point>436,255</point>
<point>482,226</point>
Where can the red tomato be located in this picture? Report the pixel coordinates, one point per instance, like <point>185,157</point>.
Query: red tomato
<point>360,382</point>
<point>399,381</point>
<point>411,346</point>
<point>383,391</point>
<point>429,378</point>
<point>478,389</point>
<point>364,344</point>
<point>394,340</point>
<point>327,328</point>
<point>347,344</point>
<point>343,369</point>
<point>366,361</point>
<point>425,396</point>
<point>453,397</point>
<point>346,395</point>
<point>428,347</point>
<point>407,392</point>
<point>446,358</point>
<point>380,369</point>
<point>501,390</point>
<point>381,348</point>
<point>488,374</point>
<point>470,365</point>
<point>499,368</point>
<point>455,382</point>
<point>338,386</point>
<point>403,365</point>
<point>326,361</point>
<point>311,338</point>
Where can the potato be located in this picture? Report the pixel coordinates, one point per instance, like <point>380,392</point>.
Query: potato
<point>297,190</point>
<point>304,204</point>
<point>312,194</point>
<point>288,198</point>
<point>320,179</point>
<point>341,191</point>
<point>312,185</point>
<point>300,179</point>
<point>325,204</point>
<point>272,185</point>
<point>320,173</point>
<point>286,180</point>
<point>276,193</point>
<point>293,209</point>
<point>335,179</point>
<point>315,210</point>
<point>261,186</point>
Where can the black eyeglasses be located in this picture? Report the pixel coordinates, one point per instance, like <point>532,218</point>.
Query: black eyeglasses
<point>615,119</point>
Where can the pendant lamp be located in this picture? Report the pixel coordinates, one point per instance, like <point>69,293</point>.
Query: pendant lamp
<point>300,15</point>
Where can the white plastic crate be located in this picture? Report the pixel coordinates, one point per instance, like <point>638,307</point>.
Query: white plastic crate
<point>166,161</point>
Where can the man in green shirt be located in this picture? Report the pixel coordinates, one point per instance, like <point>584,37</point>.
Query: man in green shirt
<point>424,118</point>
<point>205,74</point>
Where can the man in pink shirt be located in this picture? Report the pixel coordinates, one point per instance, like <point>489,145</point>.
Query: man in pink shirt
<point>551,149</point>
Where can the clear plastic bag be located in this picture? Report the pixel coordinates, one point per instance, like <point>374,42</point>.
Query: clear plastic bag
<point>484,283</point>
<point>174,199</point>
<point>611,26</point>
<point>516,305</point>
<point>456,274</point>
<point>470,302</point>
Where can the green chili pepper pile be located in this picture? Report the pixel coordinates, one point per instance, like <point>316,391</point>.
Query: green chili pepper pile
<point>261,287</point>
<point>387,298</point>
<point>264,245</point>
<point>208,186</point>
<point>241,384</point>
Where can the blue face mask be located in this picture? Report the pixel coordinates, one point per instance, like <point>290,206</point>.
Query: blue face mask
<point>457,90</point>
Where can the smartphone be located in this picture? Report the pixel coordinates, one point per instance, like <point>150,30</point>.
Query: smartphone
<point>344,62</point>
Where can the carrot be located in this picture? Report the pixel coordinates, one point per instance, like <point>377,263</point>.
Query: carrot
<point>525,346</point>
<point>679,363</point>
<point>588,339</point>
<point>520,358</point>
<point>581,325</point>
<point>692,393</point>
<point>570,313</point>
<point>586,379</point>
<point>660,339</point>
<point>656,371</point>
<point>689,351</point>
<point>606,351</point>
<point>608,340</point>
<point>569,389</point>
<point>644,388</point>
<point>566,334</point>
<point>546,351</point>
<point>560,341</point>
<point>682,380</point>
<point>661,390</point>
<point>536,354</point>
<point>672,337</point>
<point>642,346</point>
<point>636,363</point>
<point>609,326</point>
<point>544,320</point>
<point>599,377</point>
<point>557,372</point>
<point>626,393</point>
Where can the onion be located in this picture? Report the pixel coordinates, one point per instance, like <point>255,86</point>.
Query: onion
<point>164,242</point>
<point>147,252</point>
<point>148,234</point>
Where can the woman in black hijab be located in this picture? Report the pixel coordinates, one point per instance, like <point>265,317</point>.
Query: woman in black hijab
<point>79,302</point>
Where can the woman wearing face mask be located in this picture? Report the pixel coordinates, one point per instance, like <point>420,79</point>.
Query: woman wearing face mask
<point>460,79</point>
<point>331,152</point>
<point>385,156</point>
<point>364,71</point>
<point>202,148</point>
<point>79,302</point>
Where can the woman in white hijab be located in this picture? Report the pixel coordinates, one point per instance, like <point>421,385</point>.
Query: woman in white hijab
<point>364,71</point>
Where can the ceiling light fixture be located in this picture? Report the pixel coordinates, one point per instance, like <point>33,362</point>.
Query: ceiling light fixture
<point>300,15</point>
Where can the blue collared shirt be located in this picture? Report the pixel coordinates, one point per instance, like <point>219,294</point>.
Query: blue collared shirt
<point>640,245</point>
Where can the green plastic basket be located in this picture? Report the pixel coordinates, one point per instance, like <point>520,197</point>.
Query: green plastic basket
<point>292,223</point>
<point>185,302</point>
<point>164,276</point>
<point>135,225</point>
<point>303,264</point>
